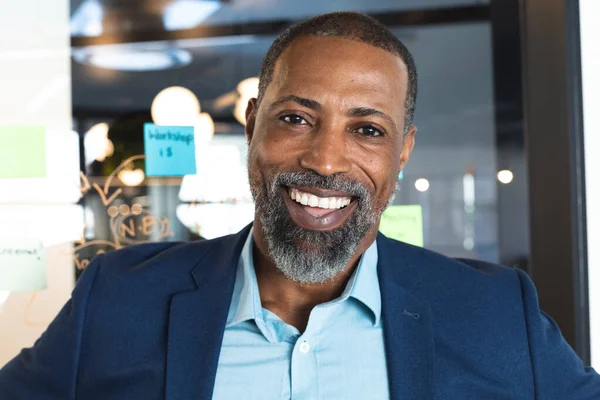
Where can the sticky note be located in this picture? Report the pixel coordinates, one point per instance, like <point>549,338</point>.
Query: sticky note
<point>404,223</point>
<point>169,150</point>
<point>22,151</point>
<point>22,265</point>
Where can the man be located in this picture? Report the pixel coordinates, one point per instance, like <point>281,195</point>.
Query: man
<point>309,302</point>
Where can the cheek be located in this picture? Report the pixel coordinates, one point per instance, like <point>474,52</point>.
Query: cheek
<point>265,141</point>
<point>254,174</point>
<point>261,167</point>
<point>382,169</point>
<point>278,150</point>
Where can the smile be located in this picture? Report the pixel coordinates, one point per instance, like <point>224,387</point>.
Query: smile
<point>311,200</point>
<point>318,209</point>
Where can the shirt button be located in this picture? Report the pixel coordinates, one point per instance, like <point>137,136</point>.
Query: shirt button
<point>304,347</point>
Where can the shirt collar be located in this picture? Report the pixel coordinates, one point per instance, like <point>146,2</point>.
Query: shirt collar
<point>362,286</point>
<point>245,302</point>
<point>365,282</point>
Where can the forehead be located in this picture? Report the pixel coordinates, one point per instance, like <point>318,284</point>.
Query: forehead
<point>340,69</point>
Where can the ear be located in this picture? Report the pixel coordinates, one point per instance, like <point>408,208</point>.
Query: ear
<point>408,143</point>
<point>250,119</point>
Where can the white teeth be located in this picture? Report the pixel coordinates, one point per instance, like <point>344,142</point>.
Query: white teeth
<point>308,199</point>
<point>323,202</point>
<point>304,199</point>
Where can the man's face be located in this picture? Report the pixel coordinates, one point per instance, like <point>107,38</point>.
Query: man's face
<point>326,145</point>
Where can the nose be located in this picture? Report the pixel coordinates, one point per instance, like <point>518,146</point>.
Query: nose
<point>326,152</point>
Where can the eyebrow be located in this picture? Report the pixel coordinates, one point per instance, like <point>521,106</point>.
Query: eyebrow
<point>354,112</point>
<point>308,103</point>
<point>367,112</point>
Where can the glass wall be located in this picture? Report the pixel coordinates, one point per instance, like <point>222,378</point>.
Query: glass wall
<point>194,63</point>
<point>452,175</point>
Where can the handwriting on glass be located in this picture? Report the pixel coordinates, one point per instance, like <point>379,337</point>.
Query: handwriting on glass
<point>126,227</point>
<point>10,251</point>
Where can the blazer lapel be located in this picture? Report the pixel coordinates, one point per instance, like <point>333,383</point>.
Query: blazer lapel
<point>197,321</point>
<point>406,322</point>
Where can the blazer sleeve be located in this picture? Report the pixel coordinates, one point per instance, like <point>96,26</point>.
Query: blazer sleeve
<point>48,370</point>
<point>558,372</point>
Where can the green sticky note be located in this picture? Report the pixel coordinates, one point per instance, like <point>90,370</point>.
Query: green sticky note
<point>404,223</point>
<point>22,151</point>
<point>22,265</point>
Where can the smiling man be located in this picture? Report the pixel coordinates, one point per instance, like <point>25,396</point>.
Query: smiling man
<point>309,302</point>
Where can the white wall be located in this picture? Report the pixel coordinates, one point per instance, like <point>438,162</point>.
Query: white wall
<point>35,88</point>
<point>590,53</point>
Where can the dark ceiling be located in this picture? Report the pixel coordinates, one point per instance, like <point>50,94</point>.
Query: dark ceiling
<point>240,11</point>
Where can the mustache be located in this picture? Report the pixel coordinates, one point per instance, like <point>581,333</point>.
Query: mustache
<point>337,182</point>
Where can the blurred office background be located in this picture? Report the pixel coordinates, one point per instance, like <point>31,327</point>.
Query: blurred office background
<point>499,168</point>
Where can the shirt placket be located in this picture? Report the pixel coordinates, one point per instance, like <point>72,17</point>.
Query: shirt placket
<point>304,371</point>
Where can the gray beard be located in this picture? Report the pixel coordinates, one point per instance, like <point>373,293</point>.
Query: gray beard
<point>308,256</point>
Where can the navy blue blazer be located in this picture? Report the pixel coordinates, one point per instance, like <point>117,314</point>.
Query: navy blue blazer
<point>147,322</point>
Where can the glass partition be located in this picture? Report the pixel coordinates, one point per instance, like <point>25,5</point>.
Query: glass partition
<point>133,68</point>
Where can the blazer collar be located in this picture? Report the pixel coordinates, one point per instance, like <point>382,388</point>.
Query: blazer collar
<point>407,325</point>
<point>197,319</point>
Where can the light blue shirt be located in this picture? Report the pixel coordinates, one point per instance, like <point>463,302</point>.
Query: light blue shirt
<point>340,355</point>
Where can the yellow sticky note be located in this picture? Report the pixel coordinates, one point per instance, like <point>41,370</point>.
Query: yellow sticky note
<point>22,151</point>
<point>404,223</point>
<point>22,265</point>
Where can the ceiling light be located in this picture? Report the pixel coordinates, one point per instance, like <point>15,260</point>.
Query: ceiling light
<point>175,106</point>
<point>239,111</point>
<point>204,129</point>
<point>131,177</point>
<point>248,89</point>
<point>97,144</point>
<point>187,14</point>
<point>469,191</point>
<point>422,185</point>
<point>505,176</point>
<point>132,59</point>
<point>87,19</point>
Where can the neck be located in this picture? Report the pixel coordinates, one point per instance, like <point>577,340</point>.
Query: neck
<point>292,301</point>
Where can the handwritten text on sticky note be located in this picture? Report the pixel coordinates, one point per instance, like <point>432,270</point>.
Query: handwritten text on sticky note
<point>22,151</point>
<point>22,265</point>
<point>404,223</point>
<point>170,150</point>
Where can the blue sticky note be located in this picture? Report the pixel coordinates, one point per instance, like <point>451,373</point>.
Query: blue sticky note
<point>169,150</point>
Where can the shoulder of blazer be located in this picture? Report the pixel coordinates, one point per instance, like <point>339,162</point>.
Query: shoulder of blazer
<point>413,267</point>
<point>170,264</point>
<point>135,256</point>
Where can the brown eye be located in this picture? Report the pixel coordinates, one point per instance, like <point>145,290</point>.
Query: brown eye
<point>369,130</point>
<point>294,119</point>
